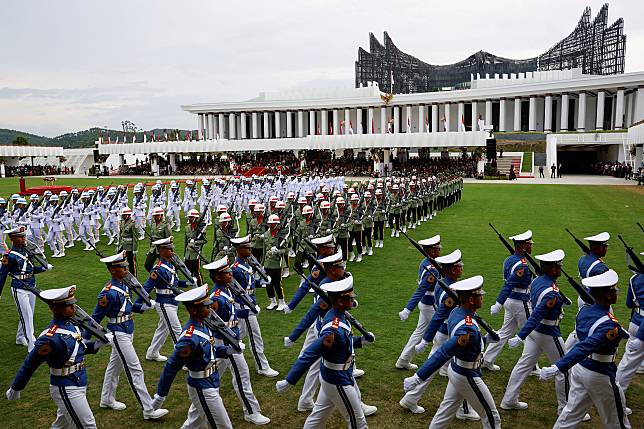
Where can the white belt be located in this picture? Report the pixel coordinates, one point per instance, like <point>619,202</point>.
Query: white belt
<point>67,370</point>
<point>119,319</point>
<point>205,373</point>
<point>640,312</point>
<point>24,276</point>
<point>520,290</point>
<point>232,323</point>
<point>429,293</point>
<point>550,322</point>
<point>164,292</point>
<point>467,364</point>
<point>338,366</point>
<point>602,358</point>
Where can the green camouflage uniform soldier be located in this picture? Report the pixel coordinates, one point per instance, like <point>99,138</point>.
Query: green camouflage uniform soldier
<point>128,238</point>
<point>159,229</point>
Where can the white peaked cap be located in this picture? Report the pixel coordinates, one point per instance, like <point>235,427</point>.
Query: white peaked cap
<point>431,241</point>
<point>554,256</point>
<point>524,236</point>
<point>606,279</point>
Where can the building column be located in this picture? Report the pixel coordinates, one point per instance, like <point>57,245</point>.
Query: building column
<point>336,122</point>
<point>547,113</point>
<point>502,107</point>
<point>267,129</point>
<point>517,114</point>
<point>278,125</point>
<point>214,126</point>
<point>255,127</point>
<point>475,115</point>
<point>488,113</point>
<point>447,116</point>
<point>347,120</point>
<point>172,160</point>
<point>371,124</point>
<point>619,110</point>
<point>383,120</point>
<point>581,112</point>
<point>532,114</point>
<point>289,124</point>
<point>600,110</point>
<point>421,118</point>
<point>232,122</point>
<point>564,111</point>
<point>300,123</point>
<point>312,130</point>
<point>324,119</point>
<point>396,120</point>
<point>359,129</point>
<point>200,126</point>
<point>461,116</point>
<point>221,125</point>
<point>434,118</point>
<point>638,101</point>
<point>242,125</point>
<point>408,119</point>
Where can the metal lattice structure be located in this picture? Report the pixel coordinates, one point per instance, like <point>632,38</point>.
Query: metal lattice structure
<point>594,47</point>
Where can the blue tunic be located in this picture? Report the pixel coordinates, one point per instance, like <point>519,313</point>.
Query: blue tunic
<point>114,302</point>
<point>161,277</point>
<point>439,319</point>
<point>243,274</point>
<point>546,308</point>
<point>224,306</point>
<point>634,300</point>
<point>424,293</point>
<point>517,278</point>
<point>19,264</point>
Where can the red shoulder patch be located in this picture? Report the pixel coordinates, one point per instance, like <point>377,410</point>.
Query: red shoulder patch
<point>523,261</point>
<point>236,264</point>
<point>468,320</point>
<point>51,331</point>
<point>335,323</point>
<point>108,286</point>
<point>217,293</point>
<point>612,317</point>
<point>189,331</point>
<point>555,288</point>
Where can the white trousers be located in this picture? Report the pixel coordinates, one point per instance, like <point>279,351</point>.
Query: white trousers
<point>312,379</point>
<point>123,352</point>
<point>630,361</point>
<point>475,392</point>
<point>55,241</point>
<point>590,388</point>
<point>241,380</point>
<point>36,237</point>
<point>167,318</point>
<point>73,409</point>
<point>516,313</point>
<point>206,410</point>
<point>347,401</point>
<point>425,314</point>
<point>173,216</point>
<point>250,328</point>
<point>414,395</point>
<point>86,233</point>
<point>535,344</point>
<point>25,304</point>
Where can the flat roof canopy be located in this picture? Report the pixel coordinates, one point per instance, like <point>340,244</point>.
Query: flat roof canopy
<point>30,151</point>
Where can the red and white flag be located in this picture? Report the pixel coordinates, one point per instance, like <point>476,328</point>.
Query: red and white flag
<point>330,128</point>
<point>109,139</point>
<point>341,127</point>
<point>408,124</point>
<point>350,127</point>
<point>426,124</point>
<point>462,126</point>
<point>373,127</point>
<point>317,131</point>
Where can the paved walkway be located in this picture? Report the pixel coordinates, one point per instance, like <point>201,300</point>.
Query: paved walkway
<point>574,179</point>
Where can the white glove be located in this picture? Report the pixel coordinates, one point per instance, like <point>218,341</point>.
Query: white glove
<point>410,382</point>
<point>13,395</point>
<point>225,249</point>
<point>548,372</point>
<point>194,281</point>
<point>420,347</point>
<point>157,401</point>
<point>258,308</point>
<point>145,307</point>
<point>242,347</point>
<point>287,309</point>
<point>634,345</point>
<point>404,314</point>
<point>495,308</point>
<point>274,249</point>
<point>282,386</point>
<point>515,342</point>
<point>110,338</point>
<point>288,342</point>
<point>49,266</point>
<point>191,242</point>
<point>365,341</point>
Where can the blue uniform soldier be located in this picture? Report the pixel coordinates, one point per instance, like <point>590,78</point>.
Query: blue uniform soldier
<point>18,264</point>
<point>114,304</point>
<point>423,297</point>
<point>464,349</point>
<point>63,348</point>
<point>592,361</point>
<point>335,350</point>
<point>196,350</point>
<point>514,297</point>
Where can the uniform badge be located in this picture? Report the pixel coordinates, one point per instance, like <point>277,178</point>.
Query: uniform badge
<point>551,302</point>
<point>5,260</point>
<point>217,293</point>
<point>524,262</point>
<point>468,320</point>
<point>51,331</point>
<point>153,275</point>
<point>186,351</point>
<point>335,323</point>
<point>315,273</point>
<point>449,302</point>
<point>520,272</point>
<point>431,278</point>
<point>235,265</point>
<point>324,305</point>
<point>328,340</point>
<point>189,331</point>
<point>103,302</point>
<point>611,334</point>
<point>463,339</point>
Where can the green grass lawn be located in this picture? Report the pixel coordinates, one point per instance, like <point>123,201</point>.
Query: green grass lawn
<point>384,283</point>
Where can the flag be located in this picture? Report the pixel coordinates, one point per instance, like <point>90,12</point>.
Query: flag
<point>350,127</point>
<point>330,128</point>
<point>373,127</point>
<point>341,127</point>
<point>408,124</point>
<point>165,135</point>
<point>317,132</point>
<point>426,124</point>
<point>187,136</point>
<point>145,138</point>
<point>462,123</point>
<point>109,139</point>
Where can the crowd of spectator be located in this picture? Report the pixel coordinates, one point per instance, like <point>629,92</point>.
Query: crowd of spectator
<point>37,170</point>
<point>615,169</point>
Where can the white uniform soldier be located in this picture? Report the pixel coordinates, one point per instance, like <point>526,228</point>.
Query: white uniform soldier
<point>56,226</point>
<point>189,193</point>
<point>36,217</point>
<point>591,361</point>
<point>114,304</point>
<point>224,306</point>
<point>174,206</point>
<point>463,349</point>
<point>138,209</point>
<point>86,229</point>
<point>68,219</point>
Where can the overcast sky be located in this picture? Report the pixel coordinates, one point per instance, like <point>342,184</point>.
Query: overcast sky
<point>71,65</point>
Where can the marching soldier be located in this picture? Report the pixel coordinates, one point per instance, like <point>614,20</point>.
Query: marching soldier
<point>355,228</point>
<point>341,231</point>
<point>379,218</point>
<point>194,241</point>
<point>114,304</point>
<point>197,351</point>
<point>394,210</point>
<point>463,348</point>
<point>306,228</point>
<point>275,248</point>
<point>256,230</point>
<point>223,233</point>
<point>159,229</point>
<point>514,297</point>
<point>62,347</point>
<point>18,264</point>
<point>224,304</point>
<point>367,223</point>
<point>591,363</point>
<point>127,238</point>
<point>334,349</point>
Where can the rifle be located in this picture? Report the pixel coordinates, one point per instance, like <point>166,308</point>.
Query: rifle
<point>640,225</point>
<point>535,266</point>
<point>639,266</point>
<point>584,248</point>
<point>493,334</point>
<point>80,318</point>
<point>129,280</point>
<point>199,230</point>
<point>217,324</point>
<point>325,297</point>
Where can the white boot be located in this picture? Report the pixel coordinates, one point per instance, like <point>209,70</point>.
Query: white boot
<point>397,233</point>
<point>369,251</point>
<point>111,240</point>
<point>305,264</point>
<point>285,273</point>
<point>280,305</point>
<point>359,258</point>
<point>272,304</point>
<point>393,233</point>
<point>352,257</point>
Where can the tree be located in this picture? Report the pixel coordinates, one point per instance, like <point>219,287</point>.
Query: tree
<point>20,141</point>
